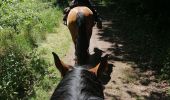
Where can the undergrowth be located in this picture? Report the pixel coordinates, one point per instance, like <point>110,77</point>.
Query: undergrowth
<point>24,71</point>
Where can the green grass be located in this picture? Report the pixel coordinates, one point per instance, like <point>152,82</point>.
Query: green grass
<point>58,42</point>
<point>28,35</point>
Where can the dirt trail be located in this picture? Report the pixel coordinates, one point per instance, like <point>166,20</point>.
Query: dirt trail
<point>127,82</point>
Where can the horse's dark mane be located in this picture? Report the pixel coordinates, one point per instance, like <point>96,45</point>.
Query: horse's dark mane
<point>82,41</point>
<point>79,84</point>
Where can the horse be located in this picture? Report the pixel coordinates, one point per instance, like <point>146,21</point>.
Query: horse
<point>79,83</point>
<point>80,22</point>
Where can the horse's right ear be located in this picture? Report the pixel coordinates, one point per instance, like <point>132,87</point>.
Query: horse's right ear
<point>63,68</point>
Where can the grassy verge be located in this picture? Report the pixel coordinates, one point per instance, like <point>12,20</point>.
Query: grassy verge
<point>58,42</point>
<point>26,43</point>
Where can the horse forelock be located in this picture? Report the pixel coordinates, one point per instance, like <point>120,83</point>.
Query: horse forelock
<point>78,84</point>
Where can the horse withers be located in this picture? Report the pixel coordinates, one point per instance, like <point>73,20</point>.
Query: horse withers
<point>79,83</point>
<point>80,22</point>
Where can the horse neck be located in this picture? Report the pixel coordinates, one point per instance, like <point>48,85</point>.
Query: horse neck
<point>79,85</point>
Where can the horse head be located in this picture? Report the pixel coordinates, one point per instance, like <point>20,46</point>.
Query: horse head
<point>79,83</point>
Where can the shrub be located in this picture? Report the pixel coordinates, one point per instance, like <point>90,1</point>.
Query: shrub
<point>23,24</point>
<point>165,70</point>
<point>16,77</point>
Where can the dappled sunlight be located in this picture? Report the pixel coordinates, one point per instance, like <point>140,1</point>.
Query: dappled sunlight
<point>130,79</point>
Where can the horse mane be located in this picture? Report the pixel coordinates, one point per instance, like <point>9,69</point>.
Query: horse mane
<point>79,84</point>
<point>82,41</point>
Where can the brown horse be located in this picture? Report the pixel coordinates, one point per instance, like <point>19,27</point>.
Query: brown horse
<point>80,22</point>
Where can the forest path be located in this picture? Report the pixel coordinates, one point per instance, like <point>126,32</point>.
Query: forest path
<point>127,82</point>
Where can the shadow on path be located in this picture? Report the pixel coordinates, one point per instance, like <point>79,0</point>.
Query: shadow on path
<point>126,49</point>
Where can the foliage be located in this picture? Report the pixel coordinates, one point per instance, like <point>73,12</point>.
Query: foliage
<point>23,25</point>
<point>18,74</point>
<point>166,67</point>
<point>105,2</point>
<point>28,17</point>
<point>12,67</point>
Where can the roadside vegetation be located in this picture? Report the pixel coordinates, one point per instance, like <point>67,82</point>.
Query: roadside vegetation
<point>25,70</point>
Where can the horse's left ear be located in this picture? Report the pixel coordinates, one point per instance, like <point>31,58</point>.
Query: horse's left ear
<point>102,66</point>
<point>103,70</point>
<point>63,68</point>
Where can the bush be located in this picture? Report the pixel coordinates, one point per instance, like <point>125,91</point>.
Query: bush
<point>16,77</point>
<point>29,17</point>
<point>19,74</point>
<point>23,25</point>
<point>165,70</point>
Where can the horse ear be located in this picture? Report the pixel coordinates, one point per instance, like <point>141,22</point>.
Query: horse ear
<point>103,70</point>
<point>94,69</point>
<point>63,68</point>
<point>102,66</point>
